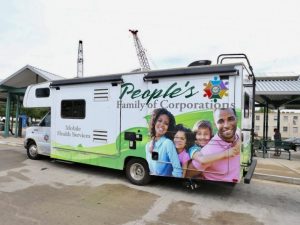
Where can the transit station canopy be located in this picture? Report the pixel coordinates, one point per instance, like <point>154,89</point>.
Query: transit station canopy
<point>20,80</point>
<point>12,90</point>
<point>28,75</point>
<point>278,90</point>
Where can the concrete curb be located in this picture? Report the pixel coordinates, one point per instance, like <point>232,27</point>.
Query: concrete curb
<point>283,179</point>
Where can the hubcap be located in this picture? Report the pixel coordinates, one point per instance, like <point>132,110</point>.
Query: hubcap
<point>137,171</point>
<point>33,150</point>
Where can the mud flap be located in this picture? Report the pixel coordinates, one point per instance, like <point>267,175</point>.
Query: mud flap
<point>250,172</point>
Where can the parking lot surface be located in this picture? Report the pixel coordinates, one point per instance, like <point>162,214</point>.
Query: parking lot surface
<point>53,192</point>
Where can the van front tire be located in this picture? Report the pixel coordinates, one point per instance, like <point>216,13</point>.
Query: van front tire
<point>137,171</point>
<point>32,151</point>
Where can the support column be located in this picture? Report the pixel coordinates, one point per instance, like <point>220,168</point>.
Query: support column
<point>7,115</point>
<point>17,116</point>
<point>264,133</point>
<point>267,121</point>
<point>278,119</point>
<point>264,124</point>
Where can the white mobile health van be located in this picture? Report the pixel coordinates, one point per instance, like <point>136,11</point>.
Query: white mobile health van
<point>194,122</point>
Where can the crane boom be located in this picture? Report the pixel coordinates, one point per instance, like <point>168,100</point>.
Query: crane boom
<point>140,51</point>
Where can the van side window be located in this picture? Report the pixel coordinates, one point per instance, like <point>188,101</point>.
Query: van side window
<point>246,105</point>
<point>46,122</point>
<point>73,109</point>
<point>42,92</point>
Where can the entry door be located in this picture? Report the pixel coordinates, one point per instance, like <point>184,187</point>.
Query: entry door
<point>44,135</point>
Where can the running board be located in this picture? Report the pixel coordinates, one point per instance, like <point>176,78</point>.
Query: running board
<point>250,172</point>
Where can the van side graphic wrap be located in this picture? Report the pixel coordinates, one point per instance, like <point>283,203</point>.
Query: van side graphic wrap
<point>113,155</point>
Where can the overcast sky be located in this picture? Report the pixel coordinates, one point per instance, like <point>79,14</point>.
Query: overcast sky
<point>45,34</point>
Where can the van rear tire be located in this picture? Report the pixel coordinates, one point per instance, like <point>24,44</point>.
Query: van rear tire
<point>32,151</point>
<point>137,171</point>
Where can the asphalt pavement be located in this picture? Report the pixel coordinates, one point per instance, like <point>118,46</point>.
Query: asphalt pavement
<point>269,167</point>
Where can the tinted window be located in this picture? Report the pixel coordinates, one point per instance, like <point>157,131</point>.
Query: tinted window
<point>42,92</point>
<point>73,109</point>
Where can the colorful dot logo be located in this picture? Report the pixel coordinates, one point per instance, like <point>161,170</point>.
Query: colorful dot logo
<point>215,89</point>
<point>46,137</point>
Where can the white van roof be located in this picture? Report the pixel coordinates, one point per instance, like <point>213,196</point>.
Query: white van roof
<point>228,69</point>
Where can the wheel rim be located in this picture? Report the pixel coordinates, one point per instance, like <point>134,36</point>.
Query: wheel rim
<point>137,171</point>
<point>33,150</point>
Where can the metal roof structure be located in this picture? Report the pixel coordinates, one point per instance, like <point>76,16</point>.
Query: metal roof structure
<point>280,91</point>
<point>28,75</point>
<point>12,90</point>
<point>18,81</point>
